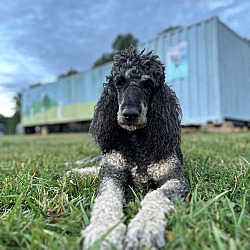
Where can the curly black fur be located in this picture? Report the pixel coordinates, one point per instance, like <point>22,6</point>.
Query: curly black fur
<point>137,126</point>
<point>161,135</point>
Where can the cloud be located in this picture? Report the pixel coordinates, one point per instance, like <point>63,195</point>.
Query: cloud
<point>42,39</point>
<point>21,70</point>
<point>18,71</point>
<point>7,68</point>
<point>216,4</point>
<point>234,11</point>
<point>6,103</point>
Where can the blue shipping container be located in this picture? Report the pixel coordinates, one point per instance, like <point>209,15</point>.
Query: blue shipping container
<point>207,65</point>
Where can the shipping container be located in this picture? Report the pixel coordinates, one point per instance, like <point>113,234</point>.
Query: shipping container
<point>70,99</point>
<point>207,65</point>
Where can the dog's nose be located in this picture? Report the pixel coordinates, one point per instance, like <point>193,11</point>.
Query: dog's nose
<point>130,114</point>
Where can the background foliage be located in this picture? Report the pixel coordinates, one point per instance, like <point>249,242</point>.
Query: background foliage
<point>121,42</point>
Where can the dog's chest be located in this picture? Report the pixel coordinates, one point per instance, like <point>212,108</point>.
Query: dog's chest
<point>139,173</point>
<point>143,171</point>
<point>140,170</point>
<point>146,173</point>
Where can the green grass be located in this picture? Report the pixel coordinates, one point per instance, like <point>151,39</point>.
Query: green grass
<point>40,208</point>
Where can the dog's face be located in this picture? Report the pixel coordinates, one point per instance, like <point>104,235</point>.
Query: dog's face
<point>134,94</point>
<point>135,76</point>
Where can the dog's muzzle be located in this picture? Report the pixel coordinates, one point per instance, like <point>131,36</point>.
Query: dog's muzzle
<point>132,118</point>
<point>130,114</point>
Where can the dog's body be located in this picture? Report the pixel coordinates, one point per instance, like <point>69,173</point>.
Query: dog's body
<point>137,126</point>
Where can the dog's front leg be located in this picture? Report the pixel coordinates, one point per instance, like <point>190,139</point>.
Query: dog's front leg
<point>106,215</point>
<point>108,209</point>
<point>147,228</point>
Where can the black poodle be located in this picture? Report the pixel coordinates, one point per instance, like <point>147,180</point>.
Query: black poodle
<point>137,124</point>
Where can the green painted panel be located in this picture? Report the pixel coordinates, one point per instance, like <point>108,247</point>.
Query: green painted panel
<point>59,114</point>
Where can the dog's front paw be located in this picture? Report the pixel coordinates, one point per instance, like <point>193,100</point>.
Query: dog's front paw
<point>104,238</point>
<point>144,235</point>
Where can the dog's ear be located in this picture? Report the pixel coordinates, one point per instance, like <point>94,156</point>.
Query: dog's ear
<point>104,127</point>
<point>164,122</point>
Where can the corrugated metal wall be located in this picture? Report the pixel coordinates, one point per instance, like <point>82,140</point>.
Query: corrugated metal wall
<point>199,90</point>
<point>92,82</point>
<point>217,86</point>
<point>234,70</point>
<point>69,99</point>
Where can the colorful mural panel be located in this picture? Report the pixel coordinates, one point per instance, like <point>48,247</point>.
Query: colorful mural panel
<point>68,100</point>
<point>177,62</point>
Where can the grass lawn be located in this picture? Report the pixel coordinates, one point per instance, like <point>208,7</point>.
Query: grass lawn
<point>41,208</point>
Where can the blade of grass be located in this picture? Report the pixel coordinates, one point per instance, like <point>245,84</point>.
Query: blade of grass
<point>210,202</point>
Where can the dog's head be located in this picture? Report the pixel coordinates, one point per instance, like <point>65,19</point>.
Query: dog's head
<point>135,97</point>
<point>135,78</point>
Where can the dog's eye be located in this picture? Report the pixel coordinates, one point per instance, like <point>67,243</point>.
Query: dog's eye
<point>120,81</point>
<point>148,83</point>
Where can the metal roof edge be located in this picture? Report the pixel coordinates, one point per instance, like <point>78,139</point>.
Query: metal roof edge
<point>244,39</point>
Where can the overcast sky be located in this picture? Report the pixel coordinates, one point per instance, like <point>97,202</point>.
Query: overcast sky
<point>40,39</point>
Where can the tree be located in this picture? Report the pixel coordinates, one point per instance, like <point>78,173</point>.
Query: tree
<point>2,125</point>
<point>34,85</point>
<point>17,99</point>
<point>121,42</point>
<point>69,73</point>
<point>105,58</point>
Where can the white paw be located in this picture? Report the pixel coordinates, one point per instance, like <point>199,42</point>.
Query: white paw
<point>104,238</point>
<point>145,234</point>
